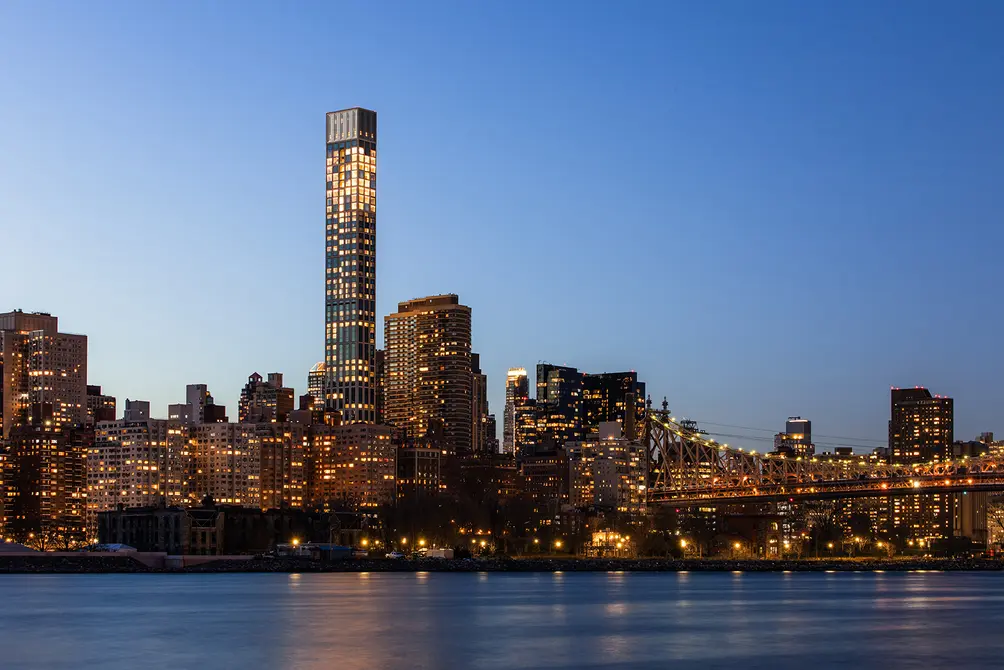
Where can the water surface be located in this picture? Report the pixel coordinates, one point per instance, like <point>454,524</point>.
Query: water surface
<point>503,621</point>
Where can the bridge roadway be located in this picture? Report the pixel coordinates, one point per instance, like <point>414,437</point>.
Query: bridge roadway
<point>742,495</point>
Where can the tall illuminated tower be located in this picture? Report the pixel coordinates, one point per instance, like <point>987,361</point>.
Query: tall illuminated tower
<point>350,265</point>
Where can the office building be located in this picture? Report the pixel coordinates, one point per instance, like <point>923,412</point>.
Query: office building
<point>796,440</point>
<point>558,406</point>
<point>428,370</point>
<point>517,393</point>
<point>491,435</point>
<point>100,407</point>
<point>264,401</point>
<point>921,426</point>
<point>605,397</point>
<point>350,265</point>
<point>316,383</point>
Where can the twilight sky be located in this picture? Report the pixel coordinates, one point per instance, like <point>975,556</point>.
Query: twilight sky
<point>766,208</point>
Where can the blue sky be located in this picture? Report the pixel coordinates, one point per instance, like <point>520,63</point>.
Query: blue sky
<point>766,209</point>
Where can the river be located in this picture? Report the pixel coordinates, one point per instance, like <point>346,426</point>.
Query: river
<point>503,621</point>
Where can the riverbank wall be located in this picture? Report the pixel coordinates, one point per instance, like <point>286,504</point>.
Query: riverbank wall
<point>125,563</point>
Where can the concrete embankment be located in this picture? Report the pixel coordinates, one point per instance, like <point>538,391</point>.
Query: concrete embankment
<point>42,563</point>
<point>592,565</point>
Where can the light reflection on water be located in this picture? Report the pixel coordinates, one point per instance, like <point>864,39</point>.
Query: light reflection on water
<point>504,621</point>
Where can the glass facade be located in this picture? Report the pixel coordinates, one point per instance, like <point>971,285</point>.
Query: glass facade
<point>350,266</point>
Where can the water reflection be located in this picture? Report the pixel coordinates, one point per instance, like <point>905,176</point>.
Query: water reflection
<point>434,620</point>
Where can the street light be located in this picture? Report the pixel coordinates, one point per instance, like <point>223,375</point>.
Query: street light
<point>421,543</point>
<point>296,542</point>
<point>557,544</point>
<point>364,542</point>
<point>404,540</point>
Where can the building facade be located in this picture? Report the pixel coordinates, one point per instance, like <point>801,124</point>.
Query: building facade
<point>128,462</point>
<point>796,440</point>
<point>428,371</point>
<point>43,438</point>
<point>350,266</point>
<point>265,400</point>
<point>100,407</point>
<point>605,397</point>
<point>354,466</point>
<point>608,472</point>
<point>227,463</point>
<point>921,426</point>
<point>517,393</point>
<point>480,445</point>
<point>39,365</point>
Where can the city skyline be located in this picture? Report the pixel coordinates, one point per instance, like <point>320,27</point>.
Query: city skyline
<point>750,365</point>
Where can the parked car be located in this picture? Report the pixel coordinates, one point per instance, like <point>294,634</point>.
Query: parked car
<point>395,555</point>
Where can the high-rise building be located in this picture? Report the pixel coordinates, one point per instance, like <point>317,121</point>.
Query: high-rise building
<point>99,407</point>
<point>354,466</point>
<point>227,463</point>
<point>607,471</point>
<point>796,440</point>
<point>316,383</point>
<point>199,407</point>
<point>491,435</point>
<point>39,365</point>
<point>128,462</point>
<point>43,408</point>
<point>282,464</point>
<point>559,406</point>
<point>605,396</point>
<point>517,393</point>
<point>264,401</point>
<point>381,381</point>
<point>428,370</point>
<point>921,426</point>
<point>350,267</point>
<point>921,429</point>
<point>479,408</point>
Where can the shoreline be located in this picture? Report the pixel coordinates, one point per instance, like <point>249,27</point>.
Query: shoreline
<point>41,564</point>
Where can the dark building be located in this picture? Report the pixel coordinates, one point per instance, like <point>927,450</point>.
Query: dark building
<point>605,396</point>
<point>215,530</point>
<point>479,412</point>
<point>491,436</point>
<point>559,406</point>
<point>921,426</point>
<point>99,407</point>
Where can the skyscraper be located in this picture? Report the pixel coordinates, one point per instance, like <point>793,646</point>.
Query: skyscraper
<point>479,403</point>
<point>350,265</point>
<point>39,365</point>
<point>428,370</point>
<point>921,426</point>
<point>517,392</point>
<point>43,404</point>
<point>559,405</point>
<point>605,395</point>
